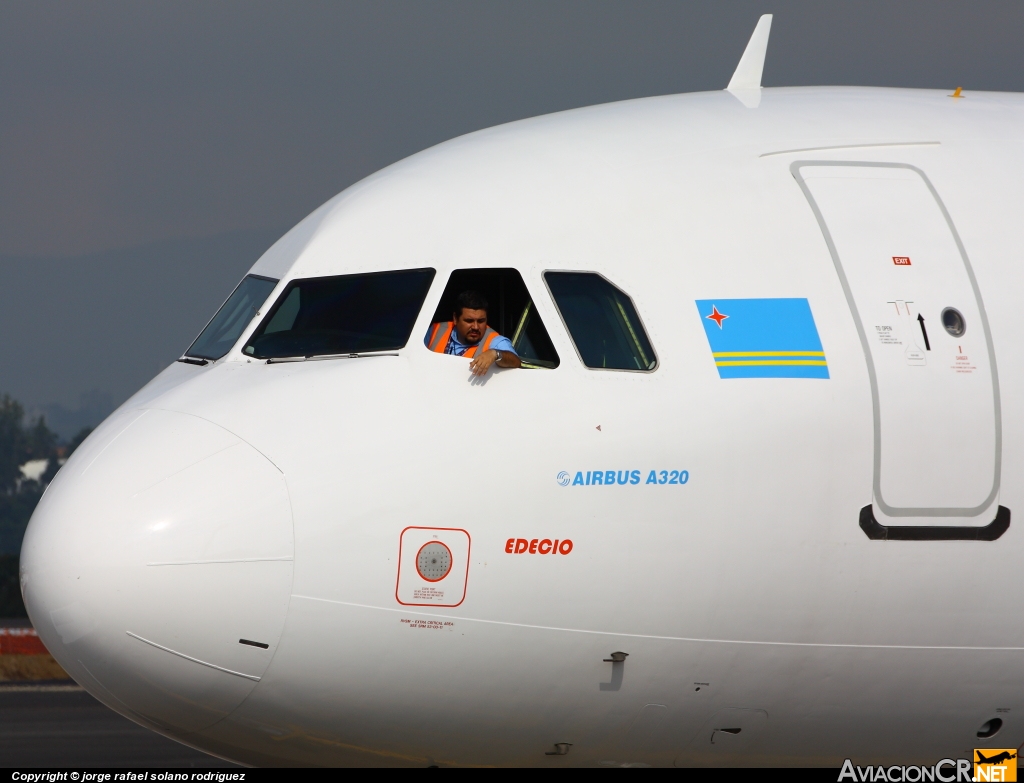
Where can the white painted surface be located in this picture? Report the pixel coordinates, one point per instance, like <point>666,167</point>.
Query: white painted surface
<point>752,582</point>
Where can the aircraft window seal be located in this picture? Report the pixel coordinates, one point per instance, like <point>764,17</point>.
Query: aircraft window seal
<point>323,357</point>
<point>602,322</point>
<point>224,329</point>
<point>342,316</point>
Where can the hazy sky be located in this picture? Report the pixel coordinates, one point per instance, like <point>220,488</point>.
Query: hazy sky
<point>126,126</point>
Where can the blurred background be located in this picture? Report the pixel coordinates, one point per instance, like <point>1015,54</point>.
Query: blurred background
<point>152,151</point>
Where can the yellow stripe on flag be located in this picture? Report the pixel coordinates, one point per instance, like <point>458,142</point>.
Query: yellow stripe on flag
<point>769,353</point>
<point>773,361</point>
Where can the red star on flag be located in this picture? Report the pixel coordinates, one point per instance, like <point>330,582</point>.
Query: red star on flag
<point>716,316</point>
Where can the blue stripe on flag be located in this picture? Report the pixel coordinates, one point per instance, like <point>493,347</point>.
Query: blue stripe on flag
<point>774,371</point>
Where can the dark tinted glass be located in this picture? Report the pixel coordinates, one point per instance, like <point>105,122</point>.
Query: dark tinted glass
<point>953,321</point>
<point>232,318</point>
<point>602,322</point>
<point>531,340</point>
<point>340,315</point>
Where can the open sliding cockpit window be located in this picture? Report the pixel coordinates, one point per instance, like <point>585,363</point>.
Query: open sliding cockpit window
<point>342,316</point>
<point>602,321</point>
<point>510,312</point>
<point>230,321</point>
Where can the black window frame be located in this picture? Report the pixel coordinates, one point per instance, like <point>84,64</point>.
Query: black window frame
<point>295,282</point>
<point>206,359</point>
<point>568,331</point>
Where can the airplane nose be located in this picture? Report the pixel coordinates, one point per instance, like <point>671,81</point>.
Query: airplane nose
<point>158,565</point>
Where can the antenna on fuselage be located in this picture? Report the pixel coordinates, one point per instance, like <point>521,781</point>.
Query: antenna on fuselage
<point>745,83</point>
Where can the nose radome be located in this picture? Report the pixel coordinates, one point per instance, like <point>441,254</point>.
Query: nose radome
<point>158,565</point>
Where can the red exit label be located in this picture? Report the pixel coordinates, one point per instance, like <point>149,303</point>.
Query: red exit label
<point>901,260</point>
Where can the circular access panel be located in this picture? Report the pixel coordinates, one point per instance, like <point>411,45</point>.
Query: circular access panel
<point>953,321</point>
<point>434,561</point>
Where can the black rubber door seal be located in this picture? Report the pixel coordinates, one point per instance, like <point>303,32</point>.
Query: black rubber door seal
<point>877,532</point>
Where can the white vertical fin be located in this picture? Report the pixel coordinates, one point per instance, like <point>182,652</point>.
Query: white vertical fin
<point>748,73</point>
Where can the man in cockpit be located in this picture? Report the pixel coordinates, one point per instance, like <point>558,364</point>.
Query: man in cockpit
<point>468,334</point>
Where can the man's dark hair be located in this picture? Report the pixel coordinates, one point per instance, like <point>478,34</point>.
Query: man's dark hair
<point>469,300</point>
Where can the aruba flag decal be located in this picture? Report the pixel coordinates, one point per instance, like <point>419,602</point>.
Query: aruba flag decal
<point>763,338</point>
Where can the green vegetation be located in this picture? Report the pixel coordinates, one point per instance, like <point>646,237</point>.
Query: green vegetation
<point>10,593</point>
<point>21,442</point>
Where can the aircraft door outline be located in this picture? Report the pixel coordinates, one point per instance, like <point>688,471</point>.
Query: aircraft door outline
<point>868,211</point>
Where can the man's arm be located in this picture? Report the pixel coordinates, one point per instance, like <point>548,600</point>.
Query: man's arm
<point>509,359</point>
<point>482,363</point>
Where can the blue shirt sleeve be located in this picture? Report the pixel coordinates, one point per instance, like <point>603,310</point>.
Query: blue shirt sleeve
<point>502,343</point>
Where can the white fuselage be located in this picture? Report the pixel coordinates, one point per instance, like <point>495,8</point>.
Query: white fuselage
<point>268,502</point>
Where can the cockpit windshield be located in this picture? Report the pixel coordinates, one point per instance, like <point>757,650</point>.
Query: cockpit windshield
<point>347,314</point>
<point>234,315</point>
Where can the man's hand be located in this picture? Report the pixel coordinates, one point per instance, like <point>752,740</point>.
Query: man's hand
<point>482,363</point>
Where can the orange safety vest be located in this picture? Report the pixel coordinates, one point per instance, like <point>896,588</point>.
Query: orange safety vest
<point>440,334</point>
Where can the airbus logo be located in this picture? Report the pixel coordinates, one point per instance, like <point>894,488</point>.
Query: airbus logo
<point>608,478</point>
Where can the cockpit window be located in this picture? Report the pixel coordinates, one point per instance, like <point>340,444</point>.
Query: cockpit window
<point>322,316</point>
<point>510,312</point>
<point>232,318</point>
<point>602,322</point>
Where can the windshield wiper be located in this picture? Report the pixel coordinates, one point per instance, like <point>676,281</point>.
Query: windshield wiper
<point>194,360</point>
<point>322,357</point>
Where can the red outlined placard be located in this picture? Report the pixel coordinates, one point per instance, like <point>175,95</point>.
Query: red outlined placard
<point>411,589</point>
